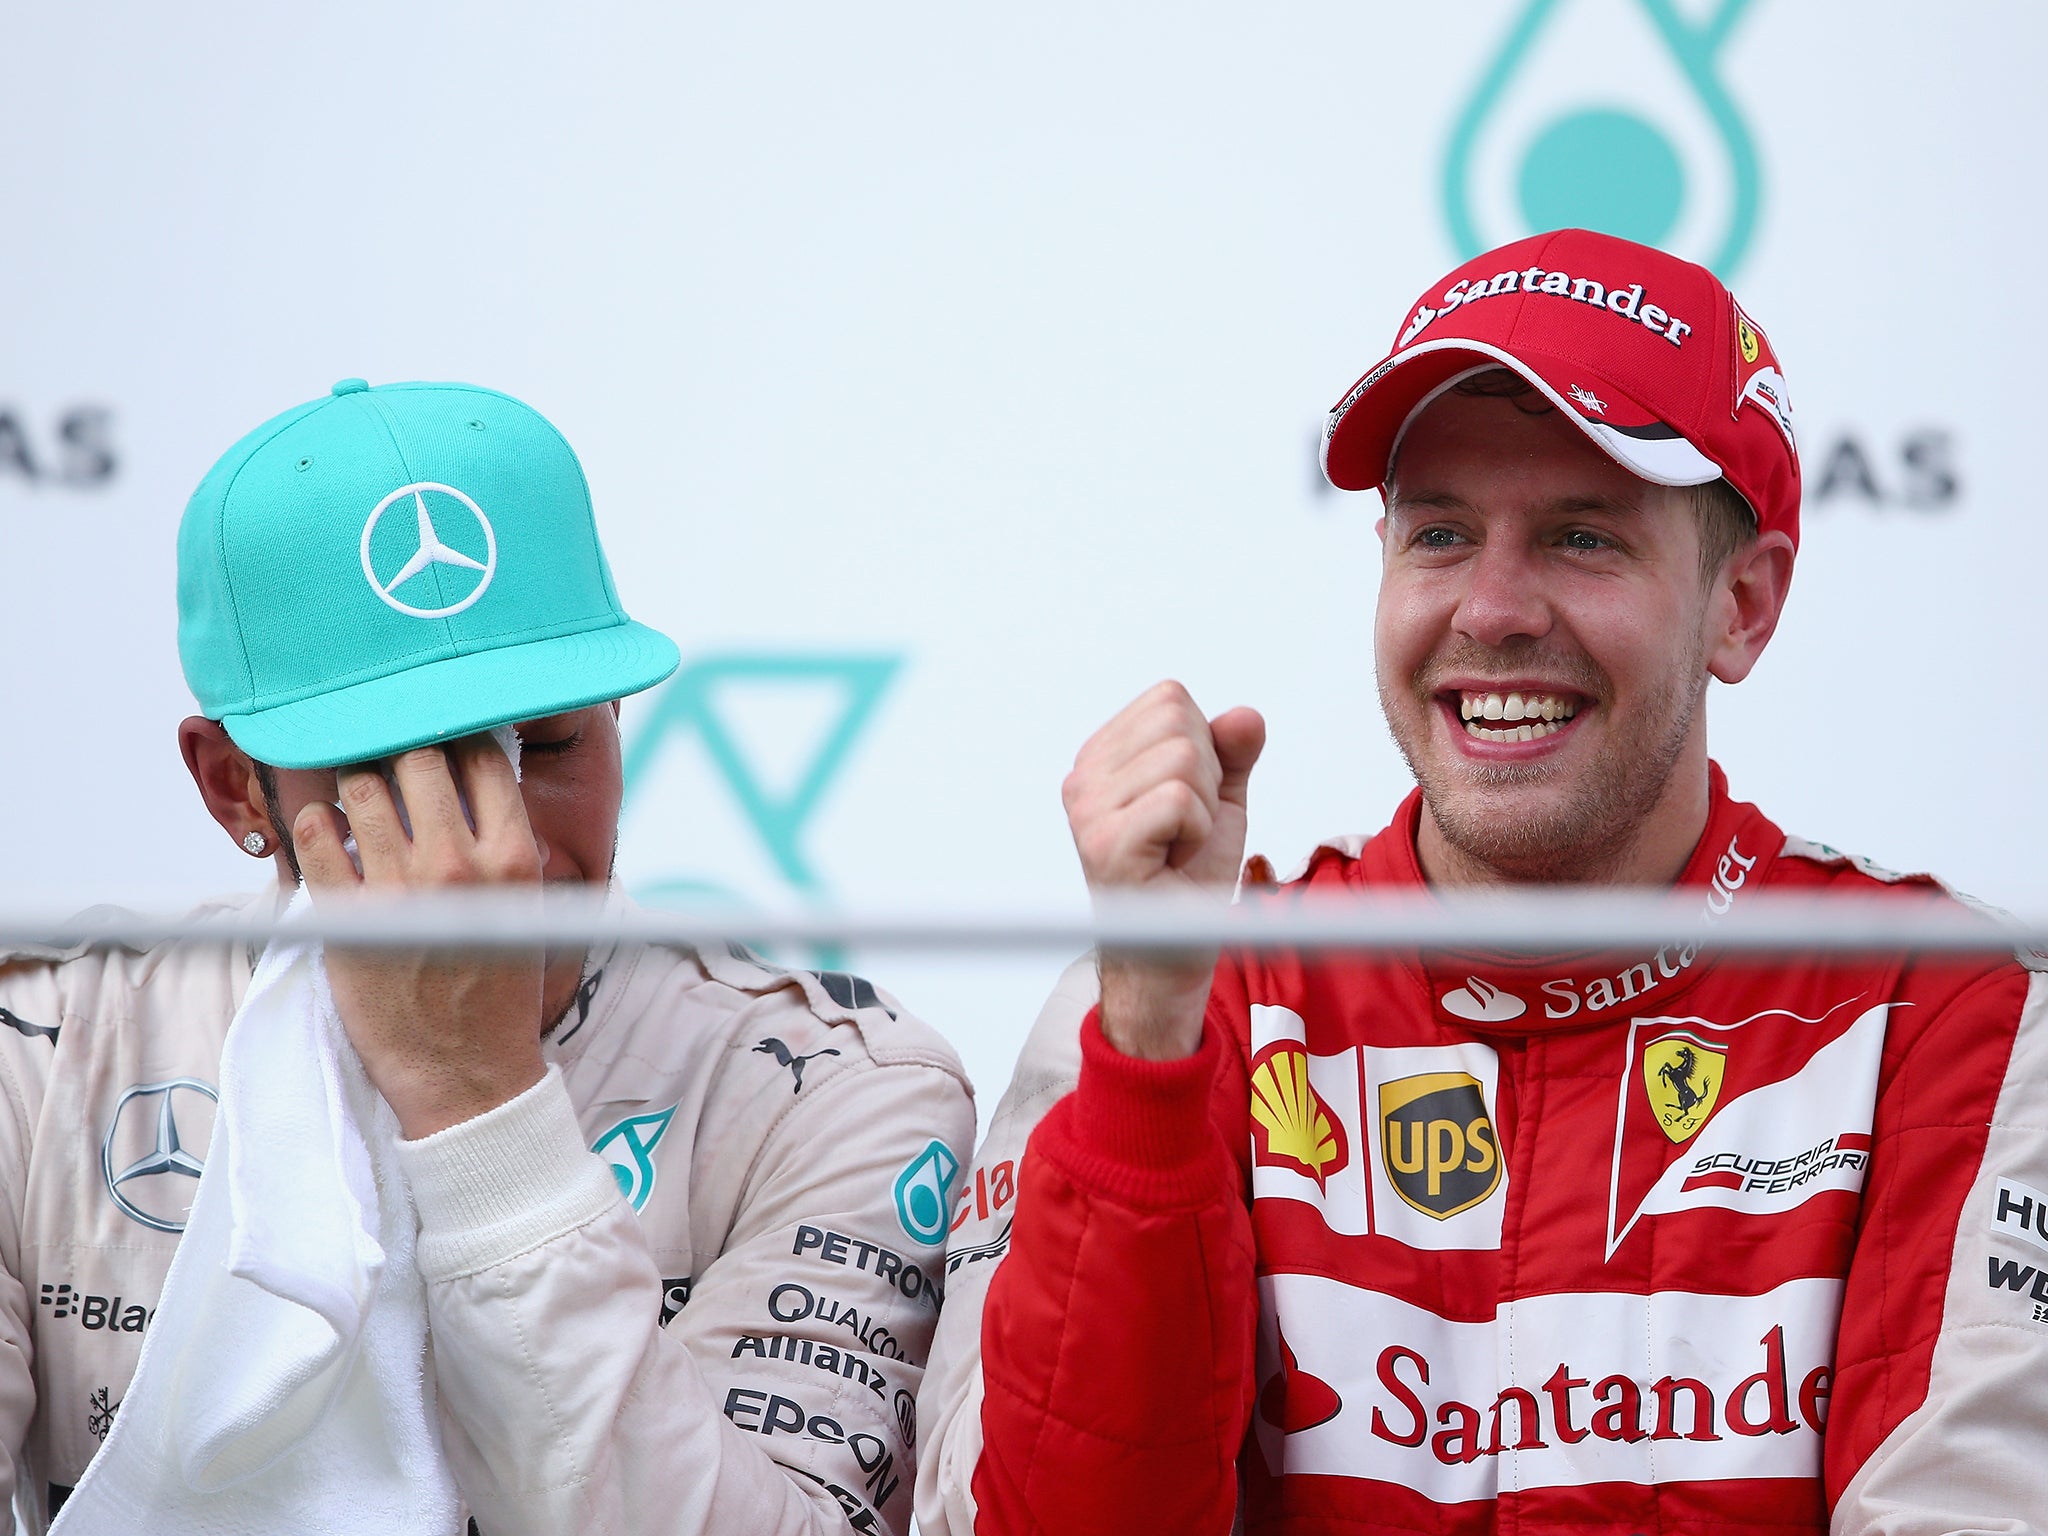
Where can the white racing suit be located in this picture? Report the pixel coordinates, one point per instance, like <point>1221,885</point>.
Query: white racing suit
<point>717,1322</point>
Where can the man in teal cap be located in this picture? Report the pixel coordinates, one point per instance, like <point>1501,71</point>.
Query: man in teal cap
<point>677,1274</point>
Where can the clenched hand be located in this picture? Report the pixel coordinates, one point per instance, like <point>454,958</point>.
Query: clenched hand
<point>1156,802</point>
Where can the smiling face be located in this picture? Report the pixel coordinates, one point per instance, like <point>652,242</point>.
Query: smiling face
<point>1543,641</point>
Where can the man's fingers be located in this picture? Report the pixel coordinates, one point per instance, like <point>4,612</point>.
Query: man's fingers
<point>1162,711</point>
<point>1188,760</point>
<point>1170,821</point>
<point>381,842</point>
<point>433,806</point>
<point>1240,736</point>
<point>317,833</point>
<point>504,836</point>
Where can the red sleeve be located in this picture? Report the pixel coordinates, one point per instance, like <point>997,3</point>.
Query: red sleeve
<point>1118,1336</point>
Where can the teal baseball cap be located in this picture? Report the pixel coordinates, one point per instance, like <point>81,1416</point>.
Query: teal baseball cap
<point>389,567</point>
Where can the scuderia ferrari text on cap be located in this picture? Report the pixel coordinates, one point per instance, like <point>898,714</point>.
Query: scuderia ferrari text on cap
<point>1647,354</point>
<point>386,568</point>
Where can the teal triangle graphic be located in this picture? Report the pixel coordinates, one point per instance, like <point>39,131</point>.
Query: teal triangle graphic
<point>689,704</point>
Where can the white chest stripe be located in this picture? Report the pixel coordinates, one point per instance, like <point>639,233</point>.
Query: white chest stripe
<point>1555,1391</point>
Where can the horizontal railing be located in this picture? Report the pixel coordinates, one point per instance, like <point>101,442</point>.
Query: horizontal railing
<point>1523,920</point>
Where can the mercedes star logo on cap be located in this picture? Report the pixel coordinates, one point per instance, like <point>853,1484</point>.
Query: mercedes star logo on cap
<point>431,550</point>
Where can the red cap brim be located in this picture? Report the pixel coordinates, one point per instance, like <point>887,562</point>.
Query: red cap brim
<point>1364,429</point>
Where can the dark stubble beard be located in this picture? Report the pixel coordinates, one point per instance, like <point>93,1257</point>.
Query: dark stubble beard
<point>1589,831</point>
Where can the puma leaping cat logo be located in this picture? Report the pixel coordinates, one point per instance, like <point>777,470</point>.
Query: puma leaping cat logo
<point>774,1047</point>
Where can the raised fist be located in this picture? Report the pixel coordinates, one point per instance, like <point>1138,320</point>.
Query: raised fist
<point>1156,801</point>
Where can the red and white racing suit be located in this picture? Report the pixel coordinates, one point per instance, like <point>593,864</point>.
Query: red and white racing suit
<point>1654,1242</point>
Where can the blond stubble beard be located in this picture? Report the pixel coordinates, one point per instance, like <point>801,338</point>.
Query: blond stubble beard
<point>1592,830</point>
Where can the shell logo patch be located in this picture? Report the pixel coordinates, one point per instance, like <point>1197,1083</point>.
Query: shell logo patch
<point>1682,1076</point>
<point>1442,1155</point>
<point>1295,1129</point>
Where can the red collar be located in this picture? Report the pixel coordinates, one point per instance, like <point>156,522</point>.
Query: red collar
<point>1516,994</point>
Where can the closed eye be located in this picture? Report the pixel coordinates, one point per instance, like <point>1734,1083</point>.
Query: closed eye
<point>551,748</point>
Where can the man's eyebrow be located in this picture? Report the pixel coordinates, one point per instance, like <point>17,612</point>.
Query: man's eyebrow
<point>1439,501</point>
<point>1560,506</point>
<point>1627,506</point>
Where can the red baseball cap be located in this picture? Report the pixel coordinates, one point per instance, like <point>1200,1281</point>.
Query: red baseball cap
<point>1648,355</point>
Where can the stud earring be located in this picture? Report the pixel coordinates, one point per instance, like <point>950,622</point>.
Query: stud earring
<point>256,843</point>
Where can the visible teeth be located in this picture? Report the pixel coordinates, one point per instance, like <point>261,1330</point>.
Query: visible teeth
<point>1525,732</point>
<point>1546,707</point>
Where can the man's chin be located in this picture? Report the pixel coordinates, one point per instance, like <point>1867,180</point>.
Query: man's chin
<point>1519,820</point>
<point>562,980</point>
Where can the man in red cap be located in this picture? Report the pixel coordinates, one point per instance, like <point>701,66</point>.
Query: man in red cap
<point>1599,1243</point>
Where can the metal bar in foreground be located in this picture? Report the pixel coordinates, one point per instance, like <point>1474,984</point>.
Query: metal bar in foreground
<point>1532,921</point>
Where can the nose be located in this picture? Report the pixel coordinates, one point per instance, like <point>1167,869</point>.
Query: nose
<point>1503,596</point>
<point>536,823</point>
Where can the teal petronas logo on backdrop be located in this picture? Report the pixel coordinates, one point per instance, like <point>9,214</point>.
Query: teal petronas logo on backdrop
<point>1611,115</point>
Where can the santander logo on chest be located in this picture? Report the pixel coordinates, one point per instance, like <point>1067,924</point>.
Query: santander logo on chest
<point>1617,984</point>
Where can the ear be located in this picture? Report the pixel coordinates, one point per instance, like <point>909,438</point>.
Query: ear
<point>1747,599</point>
<point>226,776</point>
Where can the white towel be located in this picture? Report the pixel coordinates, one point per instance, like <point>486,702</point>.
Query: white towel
<point>285,1383</point>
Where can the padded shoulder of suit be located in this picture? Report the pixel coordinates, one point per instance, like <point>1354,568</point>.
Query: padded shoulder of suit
<point>1855,869</point>
<point>75,978</point>
<point>1327,858</point>
<point>1854,872</point>
<point>890,1034</point>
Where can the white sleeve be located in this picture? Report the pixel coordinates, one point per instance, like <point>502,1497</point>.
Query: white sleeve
<point>1970,1458</point>
<point>777,1401</point>
<point>950,1405</point>
<point>22,1075</point>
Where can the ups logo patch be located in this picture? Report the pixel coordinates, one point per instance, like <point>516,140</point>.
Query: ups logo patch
<point>1441,1153</point>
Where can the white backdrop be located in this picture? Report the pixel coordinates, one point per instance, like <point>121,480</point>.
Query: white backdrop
<point>945,375</point>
